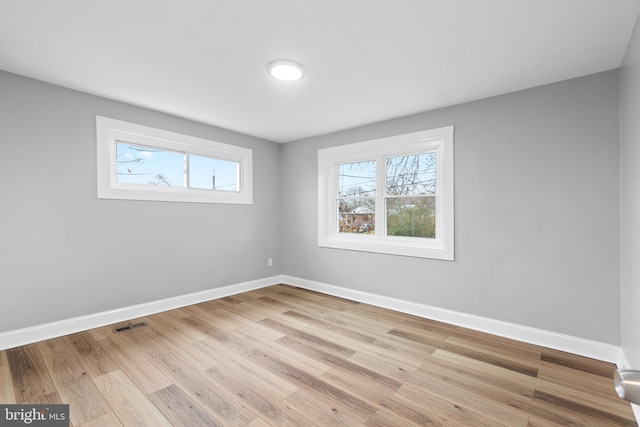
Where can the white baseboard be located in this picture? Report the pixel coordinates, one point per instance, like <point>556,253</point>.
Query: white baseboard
<point>593,349</point>
<point>33,334</point>
<point>596,350</point>
<point>583,347</point>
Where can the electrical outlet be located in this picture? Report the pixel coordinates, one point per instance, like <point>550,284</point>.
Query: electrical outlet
<point>270,262</point>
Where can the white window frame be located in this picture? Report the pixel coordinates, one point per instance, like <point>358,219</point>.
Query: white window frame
<point>110,131</point>
<point>441,247</point>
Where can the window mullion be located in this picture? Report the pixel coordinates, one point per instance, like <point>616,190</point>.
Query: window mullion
<point>381,191</point>
<point>187,184</point>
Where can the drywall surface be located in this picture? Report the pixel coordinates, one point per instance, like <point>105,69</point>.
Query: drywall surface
<point>630,201</point>
<point>536,212</point>
<point>66,253</point>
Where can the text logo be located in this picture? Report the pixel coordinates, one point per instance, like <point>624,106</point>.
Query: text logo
<point>34,415</point>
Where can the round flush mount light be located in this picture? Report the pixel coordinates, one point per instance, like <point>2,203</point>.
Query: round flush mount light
<point>286,70</point>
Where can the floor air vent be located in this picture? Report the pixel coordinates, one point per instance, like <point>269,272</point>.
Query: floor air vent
<point>129,327</point>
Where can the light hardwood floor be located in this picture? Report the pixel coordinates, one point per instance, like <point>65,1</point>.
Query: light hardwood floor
<point>285,356</point>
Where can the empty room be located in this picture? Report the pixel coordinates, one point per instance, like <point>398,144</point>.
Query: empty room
<point>266,213</point>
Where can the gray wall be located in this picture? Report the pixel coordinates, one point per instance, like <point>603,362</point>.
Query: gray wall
<point>64,253</point>
<point>630,201</point>
<point>536,215</point>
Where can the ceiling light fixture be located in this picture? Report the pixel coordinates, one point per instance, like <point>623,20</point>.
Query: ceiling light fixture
<point>286,70</point>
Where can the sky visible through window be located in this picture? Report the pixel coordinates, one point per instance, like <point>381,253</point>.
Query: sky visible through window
<point>152,166</point>
<point>414,174</point>
<point>357,179</point>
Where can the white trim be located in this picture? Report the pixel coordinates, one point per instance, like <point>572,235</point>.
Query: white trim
<point>623,361</point>
<point>438,140</point>
<point>110,131</point>
<point>580,346</point>
<point>46,331</point>
<point>593,349</point>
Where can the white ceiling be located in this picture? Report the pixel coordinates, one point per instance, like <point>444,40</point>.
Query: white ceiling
<point>366,60</point>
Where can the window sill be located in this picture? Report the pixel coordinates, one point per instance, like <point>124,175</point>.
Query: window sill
<point>400,247</point>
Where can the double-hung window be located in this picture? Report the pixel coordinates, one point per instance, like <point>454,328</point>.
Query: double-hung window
<point>391,195</point>
<point>143,163</point>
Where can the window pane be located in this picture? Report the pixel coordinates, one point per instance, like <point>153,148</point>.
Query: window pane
<point>409,175</point>
<point>213,174</point>
<point>357,179</point>
<point>411,216</point>
<point>150,166</point>
<point>356,216</point>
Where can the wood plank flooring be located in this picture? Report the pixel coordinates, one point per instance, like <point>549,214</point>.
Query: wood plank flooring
<point>284,356</point>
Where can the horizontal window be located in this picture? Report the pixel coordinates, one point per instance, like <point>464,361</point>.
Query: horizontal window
<point>142,163</point>
<point>392,195</point>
